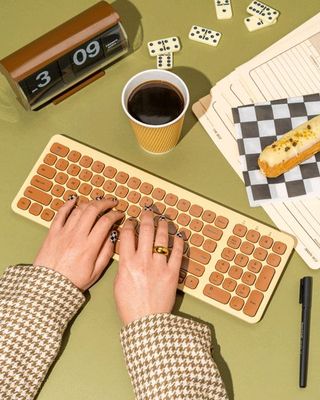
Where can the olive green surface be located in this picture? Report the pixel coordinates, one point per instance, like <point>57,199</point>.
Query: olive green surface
<point>256,361</point>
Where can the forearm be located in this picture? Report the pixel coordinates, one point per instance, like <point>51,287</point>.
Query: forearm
<point>36,305</point>
<point>169,357</point>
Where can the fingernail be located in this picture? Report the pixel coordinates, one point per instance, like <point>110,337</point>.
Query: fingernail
<point>114,199</point>
<point>179,234</point>
<point>147,208</point>
<point>114,236</point>
<point>72,197</point>
<point>162,218</point>
<point>99,198</point>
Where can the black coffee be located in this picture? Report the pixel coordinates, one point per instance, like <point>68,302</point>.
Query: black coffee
<point>155,103</point>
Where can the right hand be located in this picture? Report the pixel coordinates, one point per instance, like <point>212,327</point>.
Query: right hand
<point>146,282</point>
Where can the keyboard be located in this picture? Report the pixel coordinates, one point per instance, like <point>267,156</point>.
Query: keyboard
<point>230,261</point>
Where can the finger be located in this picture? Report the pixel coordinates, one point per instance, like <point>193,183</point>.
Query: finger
<point>102,227</point>
<point>175,258</point>
<point>146,233</point>
<point>161,238</point>
<point>74,216</point>
<point>127,247</point>
<point>92,211</point>
<point>106,252</point>
<point>63,213</point>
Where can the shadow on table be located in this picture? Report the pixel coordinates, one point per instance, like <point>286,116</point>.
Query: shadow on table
<point>199,86</point>
<point>215,347</point>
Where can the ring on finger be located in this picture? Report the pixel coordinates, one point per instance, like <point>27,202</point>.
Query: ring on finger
<point>161,250</point>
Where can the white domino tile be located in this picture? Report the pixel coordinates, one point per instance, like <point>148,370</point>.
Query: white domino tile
<point>254,23</point>
<point>164,46</point>
<point>204,35</point>
<point>263,11</point>
<point>165,61</point>
<point>223,9</point>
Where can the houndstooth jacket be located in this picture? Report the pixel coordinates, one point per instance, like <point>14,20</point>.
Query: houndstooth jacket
<point>168,357</point>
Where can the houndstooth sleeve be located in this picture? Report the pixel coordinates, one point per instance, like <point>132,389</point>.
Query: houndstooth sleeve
<point>169,358</point>
<point>36,304</point>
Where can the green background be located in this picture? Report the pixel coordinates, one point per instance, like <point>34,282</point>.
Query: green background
<point>256,361</point>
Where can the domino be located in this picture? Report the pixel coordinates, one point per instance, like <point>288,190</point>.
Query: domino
<point>263,11</point>
<point>204,35</point>
<point>163,46</point>
<point>223,9</point>
<point>255,23</point>
<point>165,61</point>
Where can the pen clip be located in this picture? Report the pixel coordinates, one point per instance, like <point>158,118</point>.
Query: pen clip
<point>301,291</point>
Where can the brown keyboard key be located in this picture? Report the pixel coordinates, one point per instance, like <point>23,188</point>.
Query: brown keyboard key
<point>183,219</point>
<point>208,216</point>
<point>122,205</point>
<point>41,183</point>
<point>235,272</point>
<point>134,211</point>
<point>192,267</point>
<point>171,213</point>
<point>50,159</point>
<point>134,197</point>
<point>196,239</point>
<point>85,189</point>
<point>109,172</point>
<point>248,278</point>
<point>247,248</point>
<point>109,186</point>
<point>234,242</point>
<point>172,228</point>
<point>56,204</point>
<point>253,236</point>
<point>241,260</point>
<point>209,245</point>
<point>196,225</point>
<point>185,233</point>
<point>265,242</point>
<point>121,191</point>
<point>228,254</point>
<point>243,290</point>
<point>191,282</point>
<point>171,199</point>
<point>222,266</point>
<point>37,195</point>
<point>253,303</point>
<point>212,232</point>
<point>221,222</point>
<point>57,190</point>
<point>73,183</point>
<point>96,193</point>
<point>67,194</point>
<point>239,230</point>
<point>121,177</point>
<point>59,149</point>
<point>254,266</point>
<point>61,178</point>
<point>85,161</point>
<point>46,171</point>
<point>47,214</point>
<point>265,278</point>
<point>279,248</point>
<point>97,167</point>
<point>82,199</point>
<point>199,255</point>
<point>134,182</point>
<point>236,303</point>
<point>23,203</point>
<point>216,278</point>
<point>195,210</point>
<point>74,156</point>
<point>158,193</point>
<point>73,169</point>
<point>229,284</point>
<point>85,175</point>
<point>97,180</point>
<point>183,205</point>
<point>147,202</point>
<point>35,209</point>
<point>158,208</point>
<point>216,293</point>
<point>260,254</point>
<point>182,276</point>
<point>146,188</point>
<point>273,259</point>
<point>62,164</point>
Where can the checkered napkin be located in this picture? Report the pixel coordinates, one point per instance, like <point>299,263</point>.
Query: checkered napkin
<point>257,126</point>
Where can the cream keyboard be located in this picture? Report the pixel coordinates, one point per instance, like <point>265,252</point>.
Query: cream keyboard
<point>230,261</point>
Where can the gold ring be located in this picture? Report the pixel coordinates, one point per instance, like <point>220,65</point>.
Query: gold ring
<point>161,250</point>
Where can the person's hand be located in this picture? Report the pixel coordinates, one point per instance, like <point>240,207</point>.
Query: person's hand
<point>79,244</point>
<point>146,282</point>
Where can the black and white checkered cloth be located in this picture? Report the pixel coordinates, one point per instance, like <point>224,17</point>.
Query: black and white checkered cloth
<point>257,126</point>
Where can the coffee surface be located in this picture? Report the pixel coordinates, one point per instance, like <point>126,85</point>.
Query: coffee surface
<point>155,103</point>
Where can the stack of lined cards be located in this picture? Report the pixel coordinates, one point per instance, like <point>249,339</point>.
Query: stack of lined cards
<point>261,16</point>
<point>163,49</point>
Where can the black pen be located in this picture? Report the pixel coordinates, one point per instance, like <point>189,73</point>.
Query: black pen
<point>305,299</point>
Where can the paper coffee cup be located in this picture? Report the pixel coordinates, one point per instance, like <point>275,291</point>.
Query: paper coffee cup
<point>156,139</point>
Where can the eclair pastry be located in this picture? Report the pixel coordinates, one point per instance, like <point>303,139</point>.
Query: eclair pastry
<point>291,149</point>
